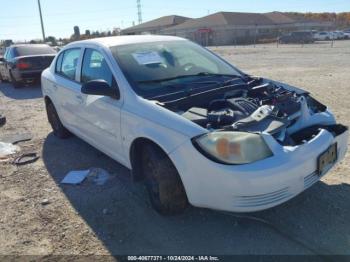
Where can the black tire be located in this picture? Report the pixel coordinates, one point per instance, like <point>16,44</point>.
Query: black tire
<point>58,129</point>
<point>15,83</point>
<point>163,183</point>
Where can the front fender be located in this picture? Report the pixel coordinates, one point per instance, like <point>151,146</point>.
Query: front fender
<point>141,118</point>
<point>135,126</point>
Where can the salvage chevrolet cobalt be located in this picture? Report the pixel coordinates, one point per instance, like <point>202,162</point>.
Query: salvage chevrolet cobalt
<point>190,125</point>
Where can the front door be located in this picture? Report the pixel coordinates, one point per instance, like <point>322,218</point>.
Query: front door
<point>101,114</point>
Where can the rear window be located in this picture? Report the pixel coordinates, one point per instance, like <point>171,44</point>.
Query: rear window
<point>33,50</point>
<point>302,33</point>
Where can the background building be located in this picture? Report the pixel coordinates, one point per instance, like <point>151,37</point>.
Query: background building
<point>155,26</point>
<point>227,28</point>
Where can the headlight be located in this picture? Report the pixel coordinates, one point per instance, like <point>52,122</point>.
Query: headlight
<point>233,147</point>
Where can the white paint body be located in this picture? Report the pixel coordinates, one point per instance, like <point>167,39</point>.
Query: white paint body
<point>112,125</point>
<point>322,36</point>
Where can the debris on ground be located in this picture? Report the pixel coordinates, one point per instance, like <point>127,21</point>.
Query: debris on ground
<point>7,149</point>
<point>45,202</point>
<point>98,176</point>
<point>16,138</point>
<point>26,159</point>
<point>75,177</point>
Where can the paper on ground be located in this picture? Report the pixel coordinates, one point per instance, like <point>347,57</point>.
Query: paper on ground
<point>75,177</point>
<point>7,149</point>
<point>97,175</point>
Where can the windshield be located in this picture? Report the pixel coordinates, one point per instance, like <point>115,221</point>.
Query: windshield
<point>34,50</point>
<point>157,67</point>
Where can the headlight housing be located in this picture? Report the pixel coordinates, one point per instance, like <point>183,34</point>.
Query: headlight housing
<point>233,147</point>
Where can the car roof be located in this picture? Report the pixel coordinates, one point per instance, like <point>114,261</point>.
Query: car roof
<point>29,45</point>
<point>128,39</point>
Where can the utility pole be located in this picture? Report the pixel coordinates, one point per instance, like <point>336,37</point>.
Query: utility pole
<point>139,11</point>
<point>41,20</point>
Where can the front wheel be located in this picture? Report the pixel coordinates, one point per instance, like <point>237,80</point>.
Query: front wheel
<point>58,129</point>
<point>163,183</point>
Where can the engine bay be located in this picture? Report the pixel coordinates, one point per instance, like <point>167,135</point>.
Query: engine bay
<point>265,107</point>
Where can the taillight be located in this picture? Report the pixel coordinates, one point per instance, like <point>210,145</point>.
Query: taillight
<point>22,65</point>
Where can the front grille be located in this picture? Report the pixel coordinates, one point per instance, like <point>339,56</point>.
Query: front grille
<point>311,179</point>
<point>263,199</point>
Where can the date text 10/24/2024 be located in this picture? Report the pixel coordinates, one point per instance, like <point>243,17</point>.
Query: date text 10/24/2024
<point>173,258</point>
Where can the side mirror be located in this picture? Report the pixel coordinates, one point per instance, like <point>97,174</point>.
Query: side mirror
<point>100,88</point>
<point>2,60</point>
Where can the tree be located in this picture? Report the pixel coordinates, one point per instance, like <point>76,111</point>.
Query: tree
<point>76,32</point>
<point>51,39</point>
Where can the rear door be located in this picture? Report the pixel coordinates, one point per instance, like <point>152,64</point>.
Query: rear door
<point>101,114</point>
<point>8,64</point>
<point>66,88</point>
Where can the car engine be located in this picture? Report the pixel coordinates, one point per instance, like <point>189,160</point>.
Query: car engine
<point>263,108</point>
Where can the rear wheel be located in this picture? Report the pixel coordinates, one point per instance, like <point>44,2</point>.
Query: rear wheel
<point>15,83</point>
<point>58,129</point>
<point>163,183</point>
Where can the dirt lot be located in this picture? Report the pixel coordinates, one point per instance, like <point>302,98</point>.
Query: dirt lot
<point>116,218</point>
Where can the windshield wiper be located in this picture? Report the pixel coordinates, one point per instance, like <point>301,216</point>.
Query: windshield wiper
<point>185,76</point>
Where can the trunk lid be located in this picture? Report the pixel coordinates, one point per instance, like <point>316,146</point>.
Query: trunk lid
<point>36,62</point>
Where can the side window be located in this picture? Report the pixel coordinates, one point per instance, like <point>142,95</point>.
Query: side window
<point>9,54</point>
<point>6,53</point>
<point>95,67</point>
<point>67,64</point>
<point>59,63</point>
<point>12,53</point>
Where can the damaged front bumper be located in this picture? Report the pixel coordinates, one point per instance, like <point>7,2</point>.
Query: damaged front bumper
<point>262,184</point>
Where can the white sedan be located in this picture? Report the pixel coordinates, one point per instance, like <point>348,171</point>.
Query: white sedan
<point>322,36</point>
<point>190,125</point>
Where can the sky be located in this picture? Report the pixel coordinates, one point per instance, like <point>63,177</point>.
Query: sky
<point>19,19</point>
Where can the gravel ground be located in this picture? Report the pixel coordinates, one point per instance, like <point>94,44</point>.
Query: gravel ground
<point>40,216</point>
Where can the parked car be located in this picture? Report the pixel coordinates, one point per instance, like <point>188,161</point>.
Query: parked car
<point>300,37</point>
<point>190,125</point>
<point>24,63</point>
<point>346,34</point>
<point>338,35</point>
<point>322,36</point>
<point>2,51</point>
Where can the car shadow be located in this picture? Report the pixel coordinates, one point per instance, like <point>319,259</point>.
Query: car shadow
<point>119,213</point>
<point>25,92</point>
